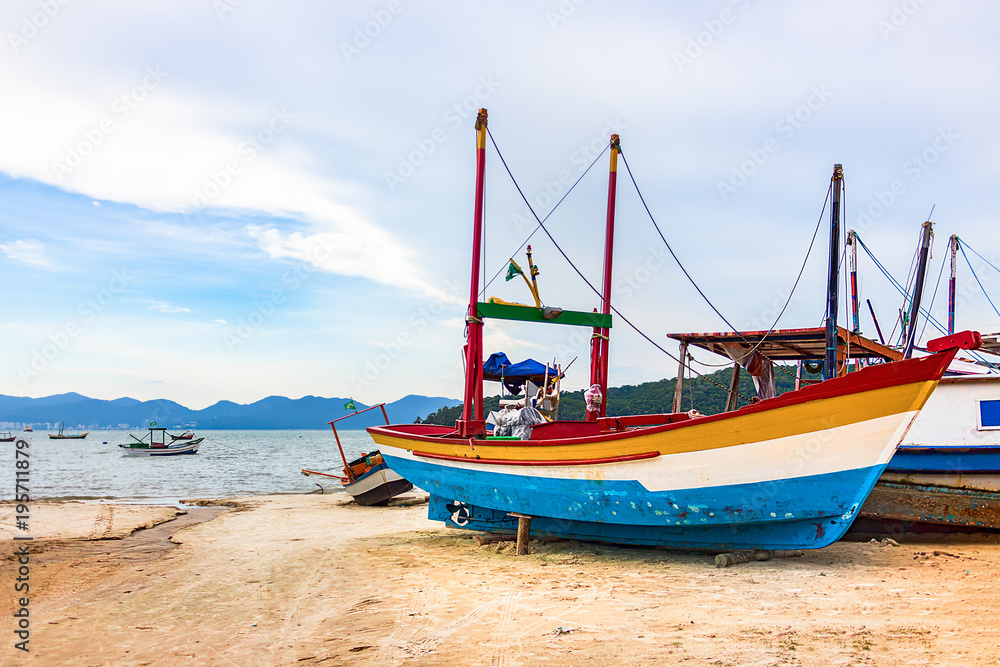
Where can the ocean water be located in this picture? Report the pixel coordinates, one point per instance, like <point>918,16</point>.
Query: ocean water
<point>228,463</point>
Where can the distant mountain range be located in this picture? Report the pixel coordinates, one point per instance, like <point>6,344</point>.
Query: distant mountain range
<point>273,412</point>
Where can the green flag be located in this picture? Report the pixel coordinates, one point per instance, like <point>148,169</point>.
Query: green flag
<point>512,271</point>
<point>350,405</point>
<point>152,423</point>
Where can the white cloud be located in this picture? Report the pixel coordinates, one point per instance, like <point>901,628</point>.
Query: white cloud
<point>159,306</point>
<point>28,252</point>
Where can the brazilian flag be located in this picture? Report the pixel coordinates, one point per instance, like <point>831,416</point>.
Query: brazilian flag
<point>512,271</point>
<point>350,405</point>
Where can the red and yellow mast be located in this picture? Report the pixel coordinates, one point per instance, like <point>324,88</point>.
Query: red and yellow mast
<point>472,423</point>
<point>600,341</point>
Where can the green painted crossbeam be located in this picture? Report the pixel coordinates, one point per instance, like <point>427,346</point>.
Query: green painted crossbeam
<point>503,311</point>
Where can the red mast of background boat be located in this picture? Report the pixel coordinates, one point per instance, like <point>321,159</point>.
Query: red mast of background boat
<point>472,423</point>
<point>600,341</point>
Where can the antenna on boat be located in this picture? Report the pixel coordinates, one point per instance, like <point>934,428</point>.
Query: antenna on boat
<point>830,359</point>
<point>600,340</point>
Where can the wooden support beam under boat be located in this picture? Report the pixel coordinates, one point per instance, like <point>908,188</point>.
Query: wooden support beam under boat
<point>523,532</point>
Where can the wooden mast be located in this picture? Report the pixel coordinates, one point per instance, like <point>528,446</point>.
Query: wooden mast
<point>599,346</point>
<point>472,423</point>
<point>852,255</point>
<point>953,248</point>
<point>599,342</point>
<point>830,359</point>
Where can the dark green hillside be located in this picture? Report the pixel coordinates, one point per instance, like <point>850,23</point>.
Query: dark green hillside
<point>707,394</point>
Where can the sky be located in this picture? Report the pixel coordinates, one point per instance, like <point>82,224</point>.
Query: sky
<point>233,199</point>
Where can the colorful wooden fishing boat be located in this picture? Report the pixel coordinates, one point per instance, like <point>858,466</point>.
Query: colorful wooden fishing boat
<point>367,478</point>
<point>7,436</point>
<point>63,436</point>
<point>789,472</point>
<point>157,445</point>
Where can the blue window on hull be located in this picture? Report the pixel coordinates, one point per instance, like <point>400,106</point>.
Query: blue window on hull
<point>989,414</point>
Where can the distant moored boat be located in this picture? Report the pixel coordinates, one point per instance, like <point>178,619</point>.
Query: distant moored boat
<point>63,436</point>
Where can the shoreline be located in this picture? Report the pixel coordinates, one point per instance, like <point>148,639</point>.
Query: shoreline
<point>316,579</point>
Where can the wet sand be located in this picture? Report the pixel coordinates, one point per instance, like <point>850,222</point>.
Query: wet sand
<point>313,579</point>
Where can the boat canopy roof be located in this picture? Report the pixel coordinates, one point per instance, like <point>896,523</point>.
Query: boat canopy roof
<point>513,376</point>
<point>807,344</point>
<point>991,343</point>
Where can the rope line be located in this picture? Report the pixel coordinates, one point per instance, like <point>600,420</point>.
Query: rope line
<point>930,318</point>
<point>900,288</point>
<point>482,294</point>
<point>930,306</point>
<point>961,247</point>
<point>963,243</point>
<point>679,264</point>
<point>542,226</point>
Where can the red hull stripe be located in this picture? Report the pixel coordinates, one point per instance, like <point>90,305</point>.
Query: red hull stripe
<point>508,462</point>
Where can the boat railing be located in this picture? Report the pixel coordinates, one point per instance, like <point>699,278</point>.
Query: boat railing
<point>348,470</point>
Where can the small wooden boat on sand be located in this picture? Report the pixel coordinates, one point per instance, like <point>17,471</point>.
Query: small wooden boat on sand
<point>368,478</point>
<point>157,445</point>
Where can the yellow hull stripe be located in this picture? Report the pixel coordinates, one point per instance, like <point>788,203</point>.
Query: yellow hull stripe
<point>812,417</point>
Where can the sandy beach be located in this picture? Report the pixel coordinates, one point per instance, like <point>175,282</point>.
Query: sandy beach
<point>315,579</point>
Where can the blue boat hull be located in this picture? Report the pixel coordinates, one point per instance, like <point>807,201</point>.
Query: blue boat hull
<point>780,514</point>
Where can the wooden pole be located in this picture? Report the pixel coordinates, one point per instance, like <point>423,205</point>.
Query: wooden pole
<point>734,386</point>
<point>953,248</point>
<point>523,532</point>
<point>600,342</point>
<point>832,284</point>
<point>852,247</point>
<point>926,237</point>
<point>471,423</point>
<point>679,387</point>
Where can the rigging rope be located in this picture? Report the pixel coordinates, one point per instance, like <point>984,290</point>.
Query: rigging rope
<point>542,226</point>
<point>962,242</point>
<point>930,306</point>
<point>900,288</point>
<point>930,318</point>
<point>482,294</point>
<point>734,329</point>
<point>962,248</point>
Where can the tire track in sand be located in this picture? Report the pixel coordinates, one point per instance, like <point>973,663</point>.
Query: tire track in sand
<point>501,632</point>
<point>411,621</point>
<point>431,642</point>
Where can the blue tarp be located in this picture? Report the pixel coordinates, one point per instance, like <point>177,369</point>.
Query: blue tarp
<point>498,367</point>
